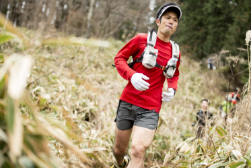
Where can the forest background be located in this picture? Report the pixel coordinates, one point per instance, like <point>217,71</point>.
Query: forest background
<point>200,30</point>
<point>208,29</point>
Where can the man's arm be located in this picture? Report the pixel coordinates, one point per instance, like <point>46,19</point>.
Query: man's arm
<point>197,116</point>
<point>120,60</point>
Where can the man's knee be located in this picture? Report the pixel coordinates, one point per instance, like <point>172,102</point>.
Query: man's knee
<point>118,150</point>
<point>138,151</point>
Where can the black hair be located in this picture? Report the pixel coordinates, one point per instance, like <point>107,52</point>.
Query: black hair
<point>206,101</point>
<point>169,9</point>
<point>236,89</point>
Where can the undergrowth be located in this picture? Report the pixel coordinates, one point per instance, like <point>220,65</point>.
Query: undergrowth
<point>65,115</point>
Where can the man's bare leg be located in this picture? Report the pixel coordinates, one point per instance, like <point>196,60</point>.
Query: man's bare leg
<point>141,140</point>
<point>122,138</point>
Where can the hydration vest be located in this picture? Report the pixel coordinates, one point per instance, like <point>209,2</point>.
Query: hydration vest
<point>149,56</point>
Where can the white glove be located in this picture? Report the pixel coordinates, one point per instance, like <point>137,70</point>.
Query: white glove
<point>168,96</point>
<point>138,82</point>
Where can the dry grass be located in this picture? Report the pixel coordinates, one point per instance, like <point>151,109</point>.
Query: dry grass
<point>67,111</point>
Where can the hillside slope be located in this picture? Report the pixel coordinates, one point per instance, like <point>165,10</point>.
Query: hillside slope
<point>75,91</point>
<point>98,93</point>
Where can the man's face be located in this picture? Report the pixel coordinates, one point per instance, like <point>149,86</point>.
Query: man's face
<point>204,105</point>
<point>168,24</point>
<point>229,97</point>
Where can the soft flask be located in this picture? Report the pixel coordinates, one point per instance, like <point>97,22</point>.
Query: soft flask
<point>150,53</point>
<point>172,63</point>
<point>170,68</point>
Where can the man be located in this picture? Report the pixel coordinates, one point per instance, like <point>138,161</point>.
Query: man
<point>203,116</point>
<point>226,107</point>
<point>140,102</point>
<point>210,63</point>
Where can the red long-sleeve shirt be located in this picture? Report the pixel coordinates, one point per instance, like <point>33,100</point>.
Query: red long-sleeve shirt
<point>151,98</point>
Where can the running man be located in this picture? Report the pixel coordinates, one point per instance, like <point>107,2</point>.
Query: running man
<point>226,107</point>
<point>203,117</point>
<point>140,102</point>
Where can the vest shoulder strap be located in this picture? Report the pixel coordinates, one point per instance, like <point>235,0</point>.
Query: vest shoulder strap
<point>175,49</point>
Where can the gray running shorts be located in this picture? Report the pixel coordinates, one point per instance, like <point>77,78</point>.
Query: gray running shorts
<point>129,115</point>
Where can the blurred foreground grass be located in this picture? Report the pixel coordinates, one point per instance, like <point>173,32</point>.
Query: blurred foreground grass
<point>59,98</point>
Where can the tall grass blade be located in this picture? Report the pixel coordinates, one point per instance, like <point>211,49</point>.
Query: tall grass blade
<point>10,115</point>
<point>67,143</point>
<point>216,165</point>
<point>19,69</point>
<point>3,136</point>
<point>10,27</point>
<point>248,154</point>
<point>25,162</point>
<point>16,137</point>
<point>75,41</point>
<point>5,38</point>
<point>237,164</point>
<point>212,130</point>
<point>222,130</point>
<point>248,160</point>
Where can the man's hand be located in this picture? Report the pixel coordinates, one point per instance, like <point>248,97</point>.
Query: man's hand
<point>168,96</point>
<point>138,82</point>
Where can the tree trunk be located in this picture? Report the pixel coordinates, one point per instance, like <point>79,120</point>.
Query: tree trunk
<point>87,34</point>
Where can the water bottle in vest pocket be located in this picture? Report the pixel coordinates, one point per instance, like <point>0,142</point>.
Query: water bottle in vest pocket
<point>170,68</point>
<point>150,57</point>
<point>172,63</point>
<point>150,53</point>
